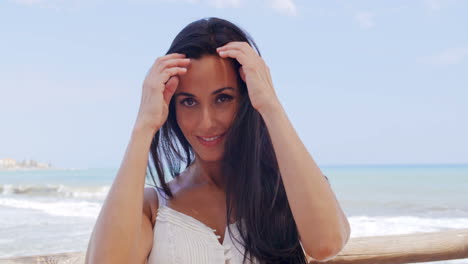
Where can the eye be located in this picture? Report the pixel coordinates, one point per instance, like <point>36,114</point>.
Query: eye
<point>188,100</point>
<point>225,98</point>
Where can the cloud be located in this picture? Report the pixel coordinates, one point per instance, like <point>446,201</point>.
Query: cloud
<point>36,3</point>
<point>225,3</point>
<point>214,3</point>
<point>437,5</point>
<point>27,2</point>
<point>365,19</point>
<point>448,57</point>
<point>286,7</point>
<point>434,5</point>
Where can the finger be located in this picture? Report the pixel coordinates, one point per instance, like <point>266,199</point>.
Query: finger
<point>169,56</point>
<point>242,73</point>
<point>231,44</point>
<point>155,66</point>
<point>170,89</point>
<point>240,56</point>
<point>167,73</point>
<point>232,47</point>
<point>239,45</point>
<point>174,55</point>
<point>174,62</point>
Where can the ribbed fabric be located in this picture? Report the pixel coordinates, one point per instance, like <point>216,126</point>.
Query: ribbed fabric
<point>182,239</point>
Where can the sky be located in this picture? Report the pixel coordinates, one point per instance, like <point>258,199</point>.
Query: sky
<point>363,82</point>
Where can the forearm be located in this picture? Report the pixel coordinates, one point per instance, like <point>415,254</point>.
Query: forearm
<point>317,214</point>
<point>119,220</point>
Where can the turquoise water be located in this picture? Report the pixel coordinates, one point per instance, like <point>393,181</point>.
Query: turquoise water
<point>423,191</point>
<point>44,212</point>
<point>78,177</point>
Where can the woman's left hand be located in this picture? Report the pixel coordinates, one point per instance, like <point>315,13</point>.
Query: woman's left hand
<point>254,72</point>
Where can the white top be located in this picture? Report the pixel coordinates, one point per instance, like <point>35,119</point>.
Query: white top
<point>179,239</point>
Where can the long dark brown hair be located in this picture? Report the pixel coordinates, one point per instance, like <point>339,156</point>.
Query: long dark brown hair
<point>250,173</point>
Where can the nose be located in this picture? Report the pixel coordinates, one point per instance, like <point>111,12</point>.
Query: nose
<point>207,119</point>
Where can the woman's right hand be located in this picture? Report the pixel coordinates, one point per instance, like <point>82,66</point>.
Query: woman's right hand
<point>158,87</point>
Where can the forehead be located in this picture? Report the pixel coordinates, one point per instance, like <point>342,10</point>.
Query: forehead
<point>208,73</point>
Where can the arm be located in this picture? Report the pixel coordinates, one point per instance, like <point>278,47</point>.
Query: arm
<point>119,226</point>
<point>323,227</point>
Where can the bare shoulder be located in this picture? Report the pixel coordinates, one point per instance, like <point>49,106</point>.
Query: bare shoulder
<point>151,200</point>
<point>150,204</point>
<point>145,236</point>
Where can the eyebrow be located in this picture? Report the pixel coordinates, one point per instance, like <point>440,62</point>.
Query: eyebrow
<point>215,92</point>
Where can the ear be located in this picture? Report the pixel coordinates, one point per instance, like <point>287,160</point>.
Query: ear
<point>242,74</point>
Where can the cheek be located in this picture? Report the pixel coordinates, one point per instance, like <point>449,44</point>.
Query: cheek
<point>231,112</point>
<point>185,120</point>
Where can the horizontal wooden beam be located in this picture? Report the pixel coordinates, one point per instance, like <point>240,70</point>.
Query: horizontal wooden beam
<point>407,248</point>
<point>69,258</point>
<point>390,249</point>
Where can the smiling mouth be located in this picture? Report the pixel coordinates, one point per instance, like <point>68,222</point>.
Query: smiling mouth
<point>211,140</point>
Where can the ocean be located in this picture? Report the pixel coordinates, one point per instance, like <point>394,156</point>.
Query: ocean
<point>54,211</point>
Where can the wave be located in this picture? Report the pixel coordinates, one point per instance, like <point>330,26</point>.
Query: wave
<point>363,225</point>
<point>56,208</point>
<point>58,190</point>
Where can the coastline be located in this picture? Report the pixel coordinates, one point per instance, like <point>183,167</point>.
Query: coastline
<point>35,169</point>
<point>64,204</point>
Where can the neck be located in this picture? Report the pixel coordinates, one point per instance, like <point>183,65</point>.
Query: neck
<point>206,173</point>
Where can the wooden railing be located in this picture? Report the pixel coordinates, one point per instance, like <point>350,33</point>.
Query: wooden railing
<point>392,249</point>
<point>408,248</point>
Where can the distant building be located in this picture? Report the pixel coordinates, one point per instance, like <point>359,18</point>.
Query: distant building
<point>25,164</point>
<point>7,163</point>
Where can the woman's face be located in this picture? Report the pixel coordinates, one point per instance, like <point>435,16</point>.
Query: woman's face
<point>206,103</point>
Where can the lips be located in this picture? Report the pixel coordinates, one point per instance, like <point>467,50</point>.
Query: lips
<point>211,140</point>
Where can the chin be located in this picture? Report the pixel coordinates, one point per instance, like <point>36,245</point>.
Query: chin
<point>209,156</point>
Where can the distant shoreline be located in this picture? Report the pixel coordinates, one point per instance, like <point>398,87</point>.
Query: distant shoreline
<point>415,165</point>
<point>35,169</point>
<point>328,166</point>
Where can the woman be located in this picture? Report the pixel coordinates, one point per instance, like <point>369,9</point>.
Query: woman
<point>209,117</point>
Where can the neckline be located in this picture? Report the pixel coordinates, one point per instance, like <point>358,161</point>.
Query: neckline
<point>193,219</point>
